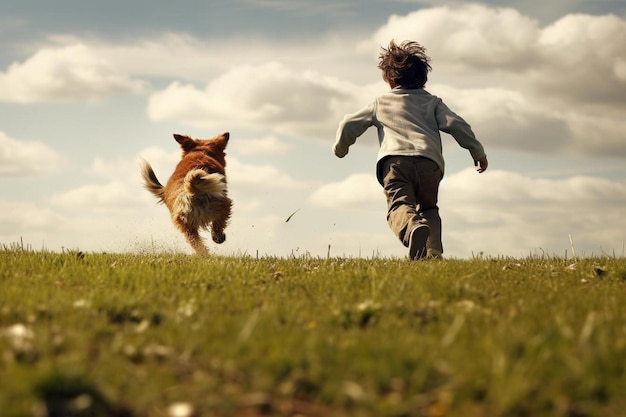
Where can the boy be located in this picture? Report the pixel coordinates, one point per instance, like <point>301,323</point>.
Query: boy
<point>410,162</point>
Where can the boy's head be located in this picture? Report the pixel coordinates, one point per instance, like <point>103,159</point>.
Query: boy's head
<point>405,65</point>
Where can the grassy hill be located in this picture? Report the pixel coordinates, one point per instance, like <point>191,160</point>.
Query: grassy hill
<point>172,335</point>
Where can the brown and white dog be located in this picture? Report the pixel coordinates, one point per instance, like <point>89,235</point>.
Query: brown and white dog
<point>196,193</point>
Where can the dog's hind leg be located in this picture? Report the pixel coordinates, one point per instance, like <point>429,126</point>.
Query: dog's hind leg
<point>223,210</point>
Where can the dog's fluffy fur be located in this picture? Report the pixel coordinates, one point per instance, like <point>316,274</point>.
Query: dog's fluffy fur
<point>196,193</point>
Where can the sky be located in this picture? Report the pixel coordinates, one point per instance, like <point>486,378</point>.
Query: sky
<point>87,89</point>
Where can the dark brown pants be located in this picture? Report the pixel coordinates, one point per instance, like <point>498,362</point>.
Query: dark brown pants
<point>411,186</point>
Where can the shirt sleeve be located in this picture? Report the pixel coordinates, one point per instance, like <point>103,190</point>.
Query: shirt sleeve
<point>351,127</point>
<point>453,124</point>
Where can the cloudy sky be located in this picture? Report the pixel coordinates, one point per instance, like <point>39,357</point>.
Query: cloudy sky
<point>88,88</point>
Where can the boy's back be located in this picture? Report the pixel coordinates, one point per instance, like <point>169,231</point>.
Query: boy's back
<point>408,123</point>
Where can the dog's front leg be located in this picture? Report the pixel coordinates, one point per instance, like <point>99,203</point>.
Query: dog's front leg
<point>191,235</point>
<point>195,241</point>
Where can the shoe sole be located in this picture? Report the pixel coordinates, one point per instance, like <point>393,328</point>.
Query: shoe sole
<point>417,243</point>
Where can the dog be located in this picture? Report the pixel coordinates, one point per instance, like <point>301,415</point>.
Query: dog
<point>196,194</point>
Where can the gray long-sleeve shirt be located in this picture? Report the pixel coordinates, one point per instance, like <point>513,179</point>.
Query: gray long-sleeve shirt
<point>408,123</point>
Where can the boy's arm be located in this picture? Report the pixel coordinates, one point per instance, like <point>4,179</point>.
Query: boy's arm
<point>351,127</point>
<point>453,124</point>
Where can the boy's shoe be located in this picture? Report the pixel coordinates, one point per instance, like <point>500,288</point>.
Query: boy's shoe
<point>434,254</point>
<point>417,241</point>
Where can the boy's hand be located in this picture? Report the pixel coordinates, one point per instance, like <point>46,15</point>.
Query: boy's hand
<point>481,164</point>
<point>340,153</point>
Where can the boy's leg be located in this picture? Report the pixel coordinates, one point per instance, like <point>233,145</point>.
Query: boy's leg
<point>401,185</point>
<point>427,196</point>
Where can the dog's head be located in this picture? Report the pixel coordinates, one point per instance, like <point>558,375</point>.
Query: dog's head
<point>213,147</point>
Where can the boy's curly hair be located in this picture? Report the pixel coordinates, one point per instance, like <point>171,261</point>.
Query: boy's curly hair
<point>406,65</point>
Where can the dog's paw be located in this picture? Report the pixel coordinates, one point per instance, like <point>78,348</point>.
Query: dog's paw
<point>219,238</point>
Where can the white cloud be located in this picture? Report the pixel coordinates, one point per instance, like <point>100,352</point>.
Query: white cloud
<point>500,213</point>
<point>259,177</point>
<point>268,96</point>
<point>269,145</point>
<point>583,58</point>
<point>506,213</point>
<point>357,191</point>
<point>120,215</point>
<point>162,162</point>
<point>72,72</point>
<point>118,168</point>
<point>124,186</point>
<point>187,58</point>
<point>472,45</point>
<point>578,57</point>
<point>513,119</point>
<point>470,35</point>
<point>111,228</point>
<point>507,118</point>
<point>19,218</point>
<point>115,194</point>
<point>24,157</point>
<point>598,134</point>
<point>178,55</point>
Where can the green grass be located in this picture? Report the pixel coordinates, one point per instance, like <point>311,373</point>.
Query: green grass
<point>130,335</point>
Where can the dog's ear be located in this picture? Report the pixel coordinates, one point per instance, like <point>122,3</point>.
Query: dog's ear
<point>185,142</point>
<point>222,140</point>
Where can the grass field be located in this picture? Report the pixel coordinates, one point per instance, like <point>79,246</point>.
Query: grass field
<point>173,335</point>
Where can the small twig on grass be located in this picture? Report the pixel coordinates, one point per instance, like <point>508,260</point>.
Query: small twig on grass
<point>571,243</point>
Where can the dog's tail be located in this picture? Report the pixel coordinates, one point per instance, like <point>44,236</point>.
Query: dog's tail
<point>198,181</point>
<point>150,181</point>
